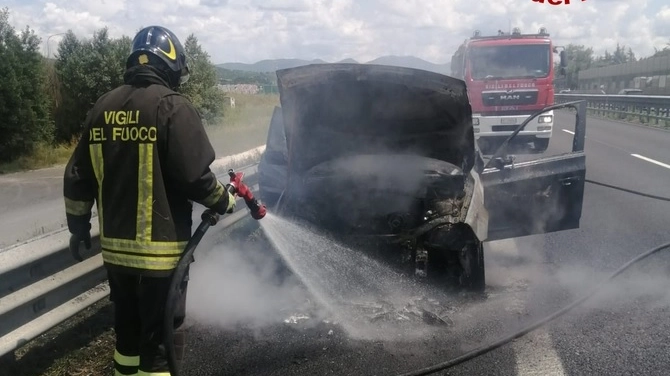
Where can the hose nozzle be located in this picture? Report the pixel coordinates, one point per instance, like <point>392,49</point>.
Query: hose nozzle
<point>257,210</point>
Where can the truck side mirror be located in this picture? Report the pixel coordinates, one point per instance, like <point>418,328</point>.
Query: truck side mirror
<point>564,59</point>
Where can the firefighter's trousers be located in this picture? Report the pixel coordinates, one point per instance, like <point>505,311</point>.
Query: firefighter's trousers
<point>139,306</point>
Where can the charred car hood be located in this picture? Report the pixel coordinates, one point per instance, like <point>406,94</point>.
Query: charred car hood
<point>331,111</point>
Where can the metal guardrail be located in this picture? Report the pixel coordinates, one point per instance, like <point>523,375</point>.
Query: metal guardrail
<point>41,285</point>
<point>644,108</point>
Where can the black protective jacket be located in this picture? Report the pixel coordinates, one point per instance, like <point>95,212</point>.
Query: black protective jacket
<point>143,158</point>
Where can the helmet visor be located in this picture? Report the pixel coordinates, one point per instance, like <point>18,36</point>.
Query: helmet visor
<point>185,75</point>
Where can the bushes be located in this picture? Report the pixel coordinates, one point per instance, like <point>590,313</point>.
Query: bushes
<point>43,102</point>
<point>24,104</point>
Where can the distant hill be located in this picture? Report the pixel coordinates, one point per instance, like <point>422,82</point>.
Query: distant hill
<point>271,65</point>
<point>348,61</point>
<point>268,65</point>
<point>412,62</point>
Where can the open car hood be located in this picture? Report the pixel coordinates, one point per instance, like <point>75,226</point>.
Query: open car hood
<point>331,111</point>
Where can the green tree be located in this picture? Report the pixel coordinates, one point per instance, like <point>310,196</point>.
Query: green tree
<point>86,69</point>
<point>24,104</point>
<point>201,87</point>
<point>579,58</point>
<point>620,56</point>
<point>664,52</point>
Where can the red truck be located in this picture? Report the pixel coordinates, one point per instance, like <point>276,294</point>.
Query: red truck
<point>509,76</point>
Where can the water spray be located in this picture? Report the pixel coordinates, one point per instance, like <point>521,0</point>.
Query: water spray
<point>209,218</point>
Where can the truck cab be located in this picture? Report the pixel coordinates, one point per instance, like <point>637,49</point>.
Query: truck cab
<point>509,76</point>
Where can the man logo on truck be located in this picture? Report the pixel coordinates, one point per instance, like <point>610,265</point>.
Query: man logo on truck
<point>509,97</point>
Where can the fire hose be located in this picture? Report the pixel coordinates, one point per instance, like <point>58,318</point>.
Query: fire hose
<point>209,218</point>
<point>492,346</point>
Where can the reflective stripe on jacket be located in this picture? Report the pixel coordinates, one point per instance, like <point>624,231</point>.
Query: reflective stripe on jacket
<point>143,157</point>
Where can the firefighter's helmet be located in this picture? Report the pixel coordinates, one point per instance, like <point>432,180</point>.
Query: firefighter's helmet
<point>155,44</point>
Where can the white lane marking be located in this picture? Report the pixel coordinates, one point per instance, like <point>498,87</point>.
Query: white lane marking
<point>536,355</point>
<point>601,143</point>
<point>634,155</point>
<point>651,160</point>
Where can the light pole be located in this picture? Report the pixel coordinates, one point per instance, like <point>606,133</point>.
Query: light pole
<point>48,46</point>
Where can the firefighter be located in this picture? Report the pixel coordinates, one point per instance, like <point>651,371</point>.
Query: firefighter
<point>143,159</point>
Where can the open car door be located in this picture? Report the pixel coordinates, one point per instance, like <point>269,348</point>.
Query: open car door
<point>538,196</point>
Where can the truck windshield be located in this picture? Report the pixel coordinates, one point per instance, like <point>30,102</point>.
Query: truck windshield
<point>520,61</point>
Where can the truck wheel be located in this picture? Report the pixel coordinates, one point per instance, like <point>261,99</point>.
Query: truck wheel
<point>473,276</point>
<point>541,144</point>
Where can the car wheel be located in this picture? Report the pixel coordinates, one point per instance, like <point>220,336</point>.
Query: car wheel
<point>541,144</point>
<point>473,276</point>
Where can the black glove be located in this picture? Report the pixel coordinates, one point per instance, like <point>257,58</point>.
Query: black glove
<point>74,244</point>
<point>80,228</point>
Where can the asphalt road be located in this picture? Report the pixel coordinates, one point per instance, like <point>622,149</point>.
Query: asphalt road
<point>244,323</point>
<point>31,204</point>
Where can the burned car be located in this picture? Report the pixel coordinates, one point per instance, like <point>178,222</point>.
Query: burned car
<point>384,158</point>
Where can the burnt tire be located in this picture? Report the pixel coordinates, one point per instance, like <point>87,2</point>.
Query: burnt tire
<point>473,276</point>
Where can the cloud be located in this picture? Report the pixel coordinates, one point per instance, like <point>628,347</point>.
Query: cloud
<point>282,5</point>
<point>251,30</point>
<point>662,22</point>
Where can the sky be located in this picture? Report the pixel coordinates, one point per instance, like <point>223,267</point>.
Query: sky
<point>251,30</point>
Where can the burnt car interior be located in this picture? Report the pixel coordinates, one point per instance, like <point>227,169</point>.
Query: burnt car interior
<point>385,157</point>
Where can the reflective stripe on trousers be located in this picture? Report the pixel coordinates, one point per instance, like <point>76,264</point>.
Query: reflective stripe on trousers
<point>142,373</point>
<point>125,365</point>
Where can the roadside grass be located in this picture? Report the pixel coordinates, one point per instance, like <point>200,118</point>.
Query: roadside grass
<point>244,126</point>
<point>241,128</point>
<point>250,110</point>
<point>44,155</point>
